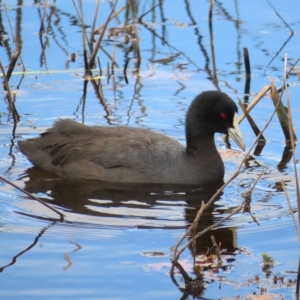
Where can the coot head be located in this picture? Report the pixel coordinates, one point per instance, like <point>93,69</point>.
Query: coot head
<point>211,112</point>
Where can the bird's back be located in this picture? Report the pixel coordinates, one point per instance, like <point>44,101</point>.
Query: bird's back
<point>115,154</point>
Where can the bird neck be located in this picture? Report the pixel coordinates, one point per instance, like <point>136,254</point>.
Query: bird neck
<point>200,144</point>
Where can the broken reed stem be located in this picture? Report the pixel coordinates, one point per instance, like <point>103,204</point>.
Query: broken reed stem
<point>250,120</point>
<point>263,91</point>
<point>291,209</point>
<point>292,135</point>
<point>281,113</point>
<point>248,75</point>
<point>11,103</point>
<point>33,197</point>
<point>247,62</point>
<point>95,50</point>
<point>13,62</point>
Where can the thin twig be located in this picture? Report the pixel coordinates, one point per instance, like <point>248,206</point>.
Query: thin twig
<point>33,197</point>
<point>280,17</point>
<point>95,50</point>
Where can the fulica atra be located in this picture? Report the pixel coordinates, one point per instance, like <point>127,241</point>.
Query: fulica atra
<point>124,154</point>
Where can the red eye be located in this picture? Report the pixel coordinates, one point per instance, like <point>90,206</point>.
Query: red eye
<point>223,115</point>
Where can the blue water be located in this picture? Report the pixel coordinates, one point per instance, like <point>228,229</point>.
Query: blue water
<point>102,249</point>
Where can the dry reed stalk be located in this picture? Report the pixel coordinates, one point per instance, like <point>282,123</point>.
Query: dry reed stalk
<point>14,38</point>
<point>292,135</point>
<point>99,29</point>
<point>248,74</point>
<point>11,103</point>
<point>281,113</point>
<point>257,98</point>
<point>13,62</point>
<point>250,120</point>
<point>95,50</point>
<point>85,39</point>
<point>93,31</point>
<point>247,62</point>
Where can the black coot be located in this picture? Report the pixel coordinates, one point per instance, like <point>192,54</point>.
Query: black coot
<point>124,154</point>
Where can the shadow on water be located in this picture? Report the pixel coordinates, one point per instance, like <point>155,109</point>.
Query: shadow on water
<point>127,205</point>
<point>116,201</point>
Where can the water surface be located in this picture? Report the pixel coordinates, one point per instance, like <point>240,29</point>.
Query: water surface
<point>116,241</point>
